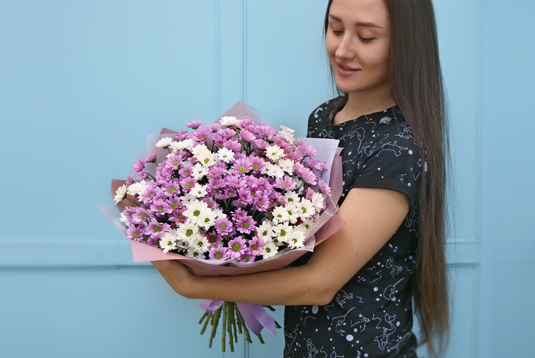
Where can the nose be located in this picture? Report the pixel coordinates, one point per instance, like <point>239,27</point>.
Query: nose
<point>345,50</point>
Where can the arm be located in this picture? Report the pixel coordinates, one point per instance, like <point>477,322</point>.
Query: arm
<point>372,216</point>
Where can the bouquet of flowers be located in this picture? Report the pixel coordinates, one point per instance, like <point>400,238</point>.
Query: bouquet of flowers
<point>235,192</point>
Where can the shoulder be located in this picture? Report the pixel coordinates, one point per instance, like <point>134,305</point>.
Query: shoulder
<point>322,115</point>
<point>389,157</point>
<point>390,130</point>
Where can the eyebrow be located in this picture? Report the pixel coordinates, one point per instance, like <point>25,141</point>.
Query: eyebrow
<point>360,23</point>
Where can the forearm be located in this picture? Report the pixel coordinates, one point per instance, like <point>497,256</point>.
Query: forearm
<point>289,286</point>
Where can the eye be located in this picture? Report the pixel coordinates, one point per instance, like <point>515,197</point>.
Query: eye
<point>366,39</point>
<point>337,32</point>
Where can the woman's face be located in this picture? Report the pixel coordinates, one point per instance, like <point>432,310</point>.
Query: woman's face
<point>358,42</point>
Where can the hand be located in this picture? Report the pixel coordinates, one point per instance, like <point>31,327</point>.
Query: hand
<point>177,275</point>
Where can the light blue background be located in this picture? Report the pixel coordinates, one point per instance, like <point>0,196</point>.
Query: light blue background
<point>83,82</point>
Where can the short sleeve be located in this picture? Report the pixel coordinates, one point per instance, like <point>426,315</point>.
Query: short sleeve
<point>392,164</point>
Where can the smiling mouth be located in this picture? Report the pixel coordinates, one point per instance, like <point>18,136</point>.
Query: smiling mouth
<point>346,71</point>
<point>347,68</point>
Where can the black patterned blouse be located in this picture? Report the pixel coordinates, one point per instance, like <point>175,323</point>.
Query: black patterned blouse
<point>371,316</point>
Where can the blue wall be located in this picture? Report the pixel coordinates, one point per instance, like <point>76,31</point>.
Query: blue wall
<point>82,83</point>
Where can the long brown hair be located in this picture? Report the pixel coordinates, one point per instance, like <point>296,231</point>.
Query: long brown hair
<point>417,87</point>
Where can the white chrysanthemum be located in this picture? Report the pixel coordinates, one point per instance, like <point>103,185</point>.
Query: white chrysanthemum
<point>296,239</point>
<point>182,244</point>
<point>199,149</point>
<point>164,142</point>
<point>293,212</point>
<point>270,249</point>
<point>283,232</point>
<point>124,219</point>
<point>277,171</point>
<point>273,170</point>
<point>194,209</point>
<point>292,197</point>
<point>199,171</point>
<point>120,193</point>
<point>307,224</point>
<point>185,144</point>
<point>280,215</point>
<point>306,209</point>
<point>187,198</point>
<point>137,188</point>
<point>201,244</point>
<point>287,133</point>
<point>227,121</point>
<point>198,190</point>
<point>225,155</point>
<point>206,219</point>
<point>267,169</point>
<point>274,152</point>
<point>168,241</point>
<point>193,253</point>
<point>187,232</point>
<point>206,158</point>
<point>219,214</point>
<point>265,231</point>
<point>318,201</point>
<point>287,165</point>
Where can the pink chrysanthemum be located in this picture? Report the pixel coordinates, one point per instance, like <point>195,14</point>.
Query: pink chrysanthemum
<point>243,166</point>
<point>261,202</point>
<point>180,136</point>
<point>324,188</point>
<point>256,245</point>
<point>151,158</point>
<point>135,233</point>
<point>139,166</point>
<point>202,134</point>
<point>244,196</point>
<point>248,257</point>
<point>156,229</point>
<point>219,253</point>
<point>285,183</point>
<point>186,171</point>
<point>305,149</point>
<point>236,248</point>
<point>188,183</point>
<point>257,163</point>
<point>245,224</point>
<point>247,136</point>
<point>141,215</point>
<point>223,226</point>
<point>213,239</point>
<point>194,124</point>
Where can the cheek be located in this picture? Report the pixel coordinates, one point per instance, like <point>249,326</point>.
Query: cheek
<point>379,61</point>
<point>330,45</point>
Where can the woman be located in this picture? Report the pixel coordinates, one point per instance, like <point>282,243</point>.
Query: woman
<point>352,296</point>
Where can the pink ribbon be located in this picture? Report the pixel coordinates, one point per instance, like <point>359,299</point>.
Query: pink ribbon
<point>254,315</point>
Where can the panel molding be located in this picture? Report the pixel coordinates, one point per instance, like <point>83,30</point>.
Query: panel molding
<point>117,253</point>
<point>232,53</point>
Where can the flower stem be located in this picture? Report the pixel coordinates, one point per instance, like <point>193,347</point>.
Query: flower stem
<point>214,326</point>
<point>152,176</point>
<point>203,317</point>
<point>127,198</point>
<point>260,338</point>
<point>224,334</point>
<point>230,324</point>
<point>233,315</point>
<point>208,319</point>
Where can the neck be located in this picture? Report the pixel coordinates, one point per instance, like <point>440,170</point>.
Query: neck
<point>359,104</point>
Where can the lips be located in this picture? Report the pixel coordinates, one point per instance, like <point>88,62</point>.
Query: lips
<point>346,71</point>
